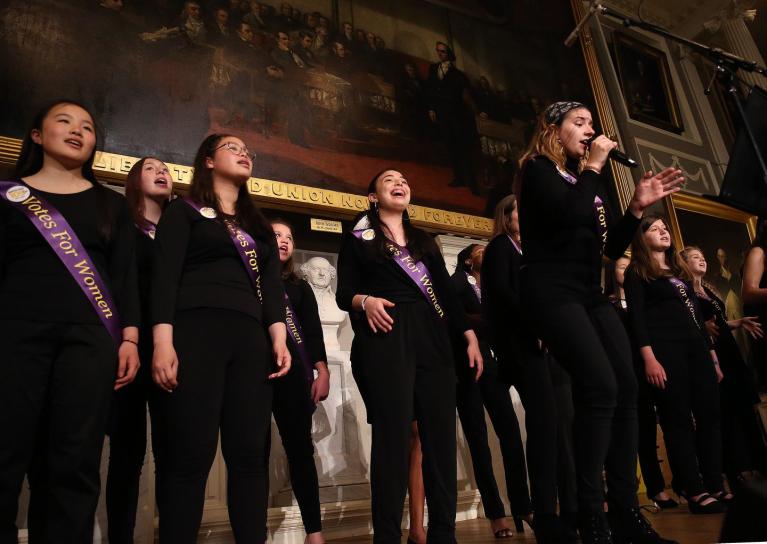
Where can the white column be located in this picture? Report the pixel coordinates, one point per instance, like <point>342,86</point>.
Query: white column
<point>741,42</point>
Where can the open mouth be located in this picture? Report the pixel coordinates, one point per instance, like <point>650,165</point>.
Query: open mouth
<point>161,182</point>
<point>398,193</point>
<point>74,143</point>
<point>244,162</point>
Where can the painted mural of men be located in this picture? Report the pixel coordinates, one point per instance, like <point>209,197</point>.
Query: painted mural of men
<point>452,108</point>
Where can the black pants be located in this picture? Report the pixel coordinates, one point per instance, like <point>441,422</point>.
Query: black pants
<point>403,375</point>
<point>56,383</point>
<point>224,360</point>
<point>648,437</point>
<point>293,411</point>
<point>546,393</point>
<point>127,446</point>
<point>590,342</point>
<point>691,391</point>
<point>472,399</point>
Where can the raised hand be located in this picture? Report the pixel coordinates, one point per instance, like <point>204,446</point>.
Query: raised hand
<point>653,187</point>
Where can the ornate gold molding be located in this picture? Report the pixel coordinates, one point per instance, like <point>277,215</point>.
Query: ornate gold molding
<point>289,196</point>
<point>697,204</point>
<point>624,182</point>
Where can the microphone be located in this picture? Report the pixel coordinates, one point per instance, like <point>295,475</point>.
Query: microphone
<point>616,154</point>
<point>593,8</point>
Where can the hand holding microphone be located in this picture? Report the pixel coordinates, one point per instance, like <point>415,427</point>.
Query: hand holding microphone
<point>601,148</point>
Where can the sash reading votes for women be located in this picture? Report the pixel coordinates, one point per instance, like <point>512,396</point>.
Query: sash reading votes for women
<point>599,207</point>
<point>416,271</point>
<point>61,238</point>
<point>684,296</point>
<point>297,335</point>
<point>243,243</point>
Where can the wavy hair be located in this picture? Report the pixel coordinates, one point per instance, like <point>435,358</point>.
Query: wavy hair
<point>545,142</point>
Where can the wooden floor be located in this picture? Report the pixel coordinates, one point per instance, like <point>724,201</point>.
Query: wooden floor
<point>678,524</point>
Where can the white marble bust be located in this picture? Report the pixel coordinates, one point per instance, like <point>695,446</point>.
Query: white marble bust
<point>320,273</point>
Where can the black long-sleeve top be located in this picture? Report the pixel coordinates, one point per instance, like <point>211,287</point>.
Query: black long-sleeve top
<point>501,304</point>
<point>727,350</point>
<point>197,266</point>
<point>305,306</point>
<point>34,283</point>
<point>657,314</point>
<point>360,274</point>
<point>472,306</point>
<point>144,250</point>
<point>559,228</point>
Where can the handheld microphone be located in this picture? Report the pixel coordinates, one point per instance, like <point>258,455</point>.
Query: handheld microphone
<point>617,155</point>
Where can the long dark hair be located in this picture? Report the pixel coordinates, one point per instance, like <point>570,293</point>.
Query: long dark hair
<point>201,190</point>
<point>288,271</point>
<point>418,241</point>
<point>30,161</point>
<point>133,193</point>
<point>642,261</point>
<point>464,254</point>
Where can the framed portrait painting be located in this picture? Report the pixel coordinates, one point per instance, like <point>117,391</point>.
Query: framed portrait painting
<point>646,85</point>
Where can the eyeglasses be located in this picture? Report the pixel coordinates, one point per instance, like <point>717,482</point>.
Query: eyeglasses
<point>237,149</point>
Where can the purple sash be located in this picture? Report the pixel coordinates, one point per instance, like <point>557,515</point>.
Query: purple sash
<point>473,282</point>
<point>515,244</point>
<point>600,213</point>
<point>149,230</point>
<point>681,291</point>
<point>416,271</point>
<point>243,243</point>
<point>297,335</point>
<point>66,245</point>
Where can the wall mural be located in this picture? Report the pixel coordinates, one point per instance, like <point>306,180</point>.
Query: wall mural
<point>326,92</point>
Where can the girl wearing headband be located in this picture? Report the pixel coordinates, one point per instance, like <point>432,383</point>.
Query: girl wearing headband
<point>564,224</point>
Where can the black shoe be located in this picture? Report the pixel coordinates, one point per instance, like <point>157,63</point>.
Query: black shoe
<point>594,528</point>
<point>696,506</point>
<point>632,527</point>
<point>664,504</point>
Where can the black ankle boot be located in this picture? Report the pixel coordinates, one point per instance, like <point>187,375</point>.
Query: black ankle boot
<point>632,527</point>
<point>594,528</point>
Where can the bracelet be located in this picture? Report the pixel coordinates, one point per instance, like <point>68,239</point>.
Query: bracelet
<point>131,341</point>
<point>363,302</point>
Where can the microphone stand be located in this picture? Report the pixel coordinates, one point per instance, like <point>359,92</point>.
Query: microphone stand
<point>727,64</point>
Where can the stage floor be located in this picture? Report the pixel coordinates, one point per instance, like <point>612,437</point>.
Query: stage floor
<point>678,524</point>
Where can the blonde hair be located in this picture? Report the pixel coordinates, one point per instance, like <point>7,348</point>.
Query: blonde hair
<point>502,218</point>
<point>546,142</point>
<point>684,254</point>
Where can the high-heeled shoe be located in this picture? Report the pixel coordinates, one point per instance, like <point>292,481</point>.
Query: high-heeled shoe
<point>664,504</point>
<point>519,522</point>
<point>724,497</point>
<point>697,507</point>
